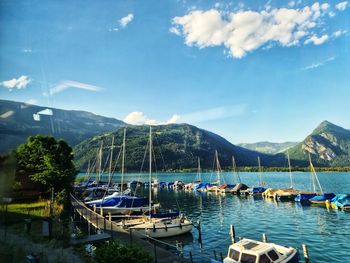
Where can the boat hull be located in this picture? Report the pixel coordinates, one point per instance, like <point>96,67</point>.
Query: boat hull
<point>160,230</point>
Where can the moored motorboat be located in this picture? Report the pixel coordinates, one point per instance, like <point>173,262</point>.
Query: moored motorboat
<point>252,251</point>
<point>238,188</point>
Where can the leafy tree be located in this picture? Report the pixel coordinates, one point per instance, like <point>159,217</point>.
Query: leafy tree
<point>114,252</point>
<point>46,161</point>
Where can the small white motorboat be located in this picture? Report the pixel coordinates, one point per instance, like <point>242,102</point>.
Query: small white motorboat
<point>252,251</point>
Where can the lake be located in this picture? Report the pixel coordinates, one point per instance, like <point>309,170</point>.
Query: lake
<point>327,233</point>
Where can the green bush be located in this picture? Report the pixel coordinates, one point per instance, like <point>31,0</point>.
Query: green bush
<point>115,252</point>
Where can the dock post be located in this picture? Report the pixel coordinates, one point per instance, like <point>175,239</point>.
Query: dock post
<point>109,216</point>
<point>222,258</point>
<point>264,239</point>
<point>94,207</point>
<point>104,224</point>
<point>199,227</point>
<point>306,253</point>
<point>101,210</point>
<point>232,234</point>
<point>191,259</point>
<point>215,255</point>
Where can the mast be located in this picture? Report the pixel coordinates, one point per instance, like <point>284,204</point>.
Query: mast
<point>150,171</point>
<point>217,167</point>
<point>100,163</point>
<point>260,176</point>
<point>123,163</point>
<point>110,163</point>
<point>234,169</point>
<point>199,170</point>
<point>314,176</point>
<point>290,172</point>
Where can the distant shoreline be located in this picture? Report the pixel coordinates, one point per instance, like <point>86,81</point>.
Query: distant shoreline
<point>250,169</point>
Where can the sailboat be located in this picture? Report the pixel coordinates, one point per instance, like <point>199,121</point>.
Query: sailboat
<point>215,186</point>
<point>314,197</point>
<point>290,193</point>
<point>227,188</point>
<point>120,203</point>
<point>257,191</point>
<point>239,186</point>
<point>159,225</point>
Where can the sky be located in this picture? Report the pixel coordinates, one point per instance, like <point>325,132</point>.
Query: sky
<point>247,70</point>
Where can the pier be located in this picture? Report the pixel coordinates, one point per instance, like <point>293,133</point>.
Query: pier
<point>162,252</point>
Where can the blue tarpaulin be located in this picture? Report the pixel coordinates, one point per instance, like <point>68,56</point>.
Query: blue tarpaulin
<point>341,200</point>
<point>323,197</point>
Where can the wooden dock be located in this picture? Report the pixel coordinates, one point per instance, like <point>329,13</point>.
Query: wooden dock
<point>153,246</point>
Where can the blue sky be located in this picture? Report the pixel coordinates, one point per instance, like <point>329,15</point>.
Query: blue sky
<point>247,70</point>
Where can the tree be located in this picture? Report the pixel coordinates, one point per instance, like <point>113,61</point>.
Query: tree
<point>46,161</point>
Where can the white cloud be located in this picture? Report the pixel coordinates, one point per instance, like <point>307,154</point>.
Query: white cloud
<point>342,5</point>
<point>175,31</point>
<point>244,31</point>
<point>27,50</point>
<point>124,21</point>
<point>72,84</point>
<point>316,40</point>
<point>318,64</point>
<point>20,83</point>
<point>339,33</point>
<point>291,3</point>
<point>174,119</point>
<point>139,118</point>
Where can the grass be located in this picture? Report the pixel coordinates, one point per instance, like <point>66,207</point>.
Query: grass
<point>37,211</point>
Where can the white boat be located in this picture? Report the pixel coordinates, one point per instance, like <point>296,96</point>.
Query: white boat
<point>158,227</point>
<point>166,227</point>
<point>252,251</point>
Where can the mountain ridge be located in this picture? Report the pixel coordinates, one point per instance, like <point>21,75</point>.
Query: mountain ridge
<point>20,120</point>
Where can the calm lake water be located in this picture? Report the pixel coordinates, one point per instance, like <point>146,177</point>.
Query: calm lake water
<point>327,233</point>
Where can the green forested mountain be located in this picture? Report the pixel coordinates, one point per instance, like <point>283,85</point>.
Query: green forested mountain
<point>328,144</point>
<point>19,120</point>
<point>268,147</point>
<point>176,146</point>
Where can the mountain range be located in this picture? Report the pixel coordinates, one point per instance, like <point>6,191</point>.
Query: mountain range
<point>18,120</point>
<point>268,147</point>
<point>176,146</point>
<point>179,145</point>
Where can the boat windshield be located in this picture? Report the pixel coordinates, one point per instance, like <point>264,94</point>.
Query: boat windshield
<point>264,259</point>
<point>273,255</point>
<point>234,254</point>
<point>246,258</point>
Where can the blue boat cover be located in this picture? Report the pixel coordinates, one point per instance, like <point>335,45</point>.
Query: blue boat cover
<point>341,200</point>
<point>123,201</point>
<point>201,186</point>
<point>256,190</point>
<point>133,202</point>
<point>304,197</point>
<point>323,197</point>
